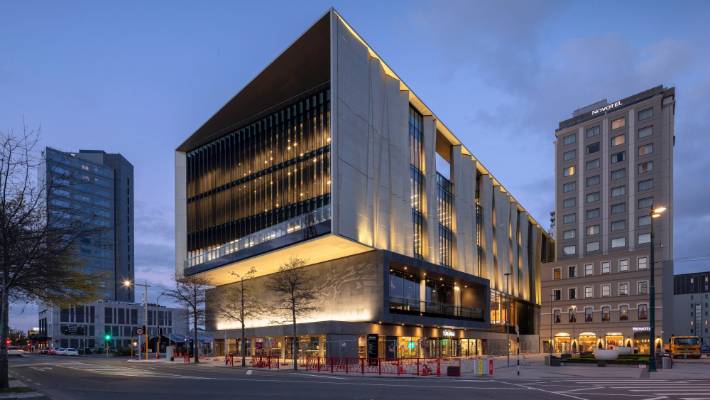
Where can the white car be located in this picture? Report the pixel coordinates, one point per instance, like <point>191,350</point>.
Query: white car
<point>70,352</point>
<point>60,351</point>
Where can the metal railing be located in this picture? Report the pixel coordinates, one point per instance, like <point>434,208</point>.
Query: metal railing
<point>295,224</point>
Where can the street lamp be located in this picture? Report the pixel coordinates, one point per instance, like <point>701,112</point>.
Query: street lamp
<point>157,324</point>
<point>552,299</point>
<point>127,283</point>
<point>507,312</point>
<point>654,213</point>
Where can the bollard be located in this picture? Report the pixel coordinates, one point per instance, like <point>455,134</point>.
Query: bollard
<point>491,366</point>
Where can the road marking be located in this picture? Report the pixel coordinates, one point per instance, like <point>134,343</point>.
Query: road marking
<point>580,389</point>
<point>322,376</point>
<point>543,390</point>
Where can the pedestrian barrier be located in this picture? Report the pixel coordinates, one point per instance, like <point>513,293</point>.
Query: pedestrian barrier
<point>381,366</point>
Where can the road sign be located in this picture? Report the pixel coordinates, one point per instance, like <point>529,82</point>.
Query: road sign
<point>139,331</point>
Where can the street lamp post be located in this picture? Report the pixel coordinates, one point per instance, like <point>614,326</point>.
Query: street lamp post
<point>507,312</point>
<point>552,299</point>
<point>654,213</point>
<point>128,283</point>
<point>157,325</point>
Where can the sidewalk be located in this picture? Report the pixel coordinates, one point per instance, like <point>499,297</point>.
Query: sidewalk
<point>20,390</point>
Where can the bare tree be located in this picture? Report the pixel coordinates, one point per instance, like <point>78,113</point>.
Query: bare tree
<point>190,292</point>
<point>239,303</point>
<point>296,294</point>
<point>38,259</point>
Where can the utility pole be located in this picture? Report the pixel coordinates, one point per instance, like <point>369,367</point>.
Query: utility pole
<point>551,343</point>
<point>145,286</point>
<point>508,318</point>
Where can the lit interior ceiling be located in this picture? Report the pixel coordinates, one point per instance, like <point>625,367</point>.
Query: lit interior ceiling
<point>323,248</point>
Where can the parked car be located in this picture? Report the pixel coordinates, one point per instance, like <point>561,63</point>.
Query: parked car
<point>71,352</point>
<point>60,351</point>
<point>15,351</point>
<point>705,348</point>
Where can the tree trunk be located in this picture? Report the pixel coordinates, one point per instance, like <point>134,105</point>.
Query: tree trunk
<point>294,344</point>
<point>195,344</point>
<point>4,369</point>
<point>241,314</point>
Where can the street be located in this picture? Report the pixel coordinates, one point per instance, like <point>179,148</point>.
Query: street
<point>78,378</point>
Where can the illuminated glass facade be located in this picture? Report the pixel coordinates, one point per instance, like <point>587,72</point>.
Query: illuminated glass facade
<point>253,181</point>
<point>416,157</point>
<point>445,207</point>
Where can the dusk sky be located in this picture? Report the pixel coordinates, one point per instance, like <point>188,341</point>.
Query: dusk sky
<point>137,78</point>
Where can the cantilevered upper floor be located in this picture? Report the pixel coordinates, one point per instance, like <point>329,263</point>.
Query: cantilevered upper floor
<point>327,153</point>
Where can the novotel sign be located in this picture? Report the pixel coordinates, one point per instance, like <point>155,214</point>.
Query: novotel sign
<point>607,108</point>
<point>449,333</point>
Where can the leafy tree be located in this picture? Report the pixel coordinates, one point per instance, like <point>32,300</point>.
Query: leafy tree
<point>38,259</point>
<point>190,292</point>
<point>295,293</point>
<point>239,303</point>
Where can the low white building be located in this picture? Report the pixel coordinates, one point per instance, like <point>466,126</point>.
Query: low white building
<point>85,326</point>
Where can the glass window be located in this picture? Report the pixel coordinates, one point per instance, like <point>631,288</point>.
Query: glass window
<point>623,312</point>
<point>623,289</point>
<point>592,214</point>
<point>572,293</point>
<point>618,191</point>
<point>592,164</point>
<point>645,220</point>
<point>645,185</point>
<point>618,140</point>
<point>642,287</point>
<point>592,246</point>
<point>569,234</point>
<point>588,269</point>
<point>570,139</point>
<point>556,274</point>
<point>569,171</point>
<point>646,202</point>
<point>592,230</point>
<point>618,226</point>
<point>606,289</point>
<point>588,314</point>
<point>592,132</point>
<point>588,292</point>
<point>643,311</point>
<point>593,148</point>
<point>642,263</point>
<point>569,155</point>
<point>606,267</point>
<point>593,180</point>
<point>569,203</point>
<point>572,312</point>
<point>569,250</point>
<point>623,265</point>
<point>557,316</point>
<point>618,242</point>
<point>606,313</point>
<point>645,132</point>
<point>618,157</point>
<point>572,271</point>
<point>569,218</point>
<point>644,238</point>
<point>569,187</point>
<point>618,123</point>
<point>593,197</point>
<point>618,174</point>
<point>645,167</point>
<point>645,114</point>
<point>618,208</point>
<point>646,149</point>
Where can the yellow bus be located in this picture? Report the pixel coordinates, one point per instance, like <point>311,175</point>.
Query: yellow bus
<point>685,346</point>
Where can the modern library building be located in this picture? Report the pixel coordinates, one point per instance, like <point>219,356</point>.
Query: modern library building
<point>328,156</point>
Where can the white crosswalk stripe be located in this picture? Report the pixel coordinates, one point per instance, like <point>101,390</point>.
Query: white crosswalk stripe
<point>646,389</point>
<point>125,371</point>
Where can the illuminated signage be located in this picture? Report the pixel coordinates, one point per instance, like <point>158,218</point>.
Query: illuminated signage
<point>641,328</point>
<point>607,108</point>
<point>448,333</point>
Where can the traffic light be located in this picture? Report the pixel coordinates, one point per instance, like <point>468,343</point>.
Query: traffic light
<point>8,341</point>
<point>107,337</point>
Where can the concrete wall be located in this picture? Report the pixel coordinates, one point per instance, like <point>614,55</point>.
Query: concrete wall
<point>371,202</point>
<point>180,213</point>
<point>464,178</point>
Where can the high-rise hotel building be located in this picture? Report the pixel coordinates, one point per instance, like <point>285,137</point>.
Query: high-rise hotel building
<point>328,156</point>
<point>614,164</point>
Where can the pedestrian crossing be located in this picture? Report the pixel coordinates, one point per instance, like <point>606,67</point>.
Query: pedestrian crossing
<point>646,389</point>
<point>117,370</point>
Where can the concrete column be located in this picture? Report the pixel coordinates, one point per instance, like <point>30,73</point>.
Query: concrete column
<point>464,178</point>
<point>432,218</point>
<point>180,213</point>
<point>605,185</point>
<point>422,295</point>
<point>631,205</point>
